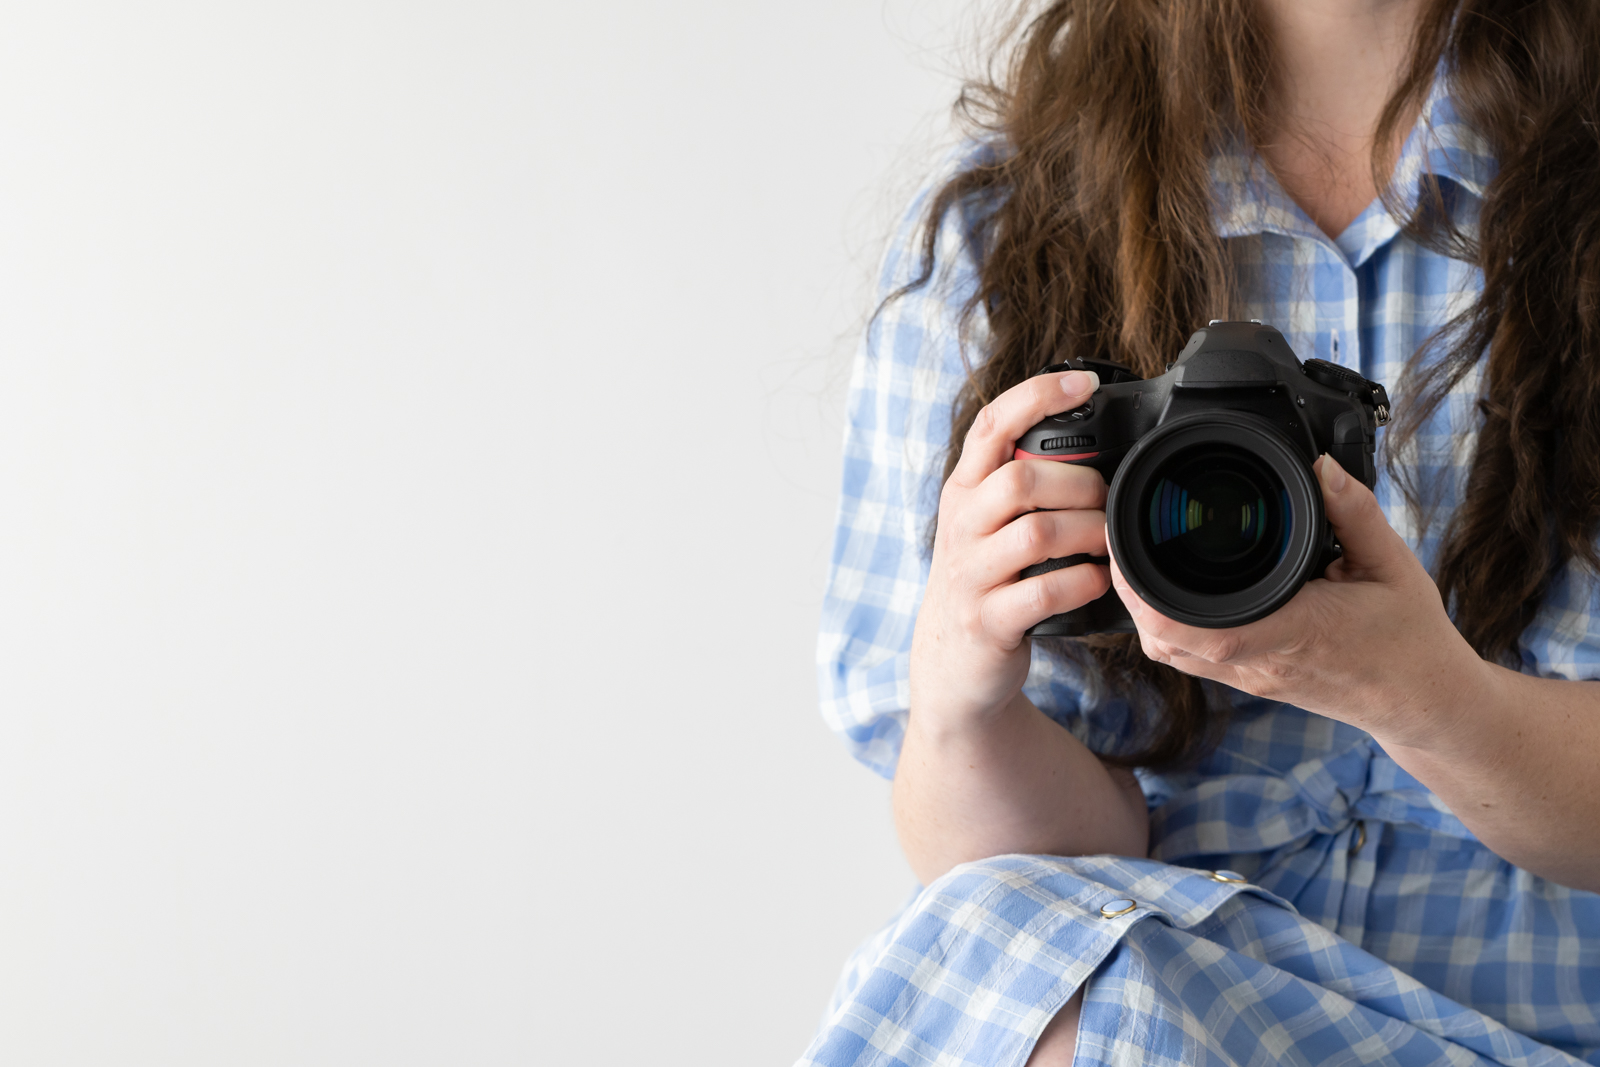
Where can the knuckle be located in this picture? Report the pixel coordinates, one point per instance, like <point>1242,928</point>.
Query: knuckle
<point>959,479</point>
<point>948,501</point>
<point>1038,596</point>
<point>966,573</point>
<point>1271,678</point>
<point>1090,482</point>
<point>972,618</point>
<point>1101,585</point>
<point>985,422</point>
<point>1015,479</point>
<point>1030,534</point>
<point>1153,628</point>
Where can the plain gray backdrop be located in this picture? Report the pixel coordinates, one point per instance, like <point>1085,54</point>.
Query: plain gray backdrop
<point>419,426</point>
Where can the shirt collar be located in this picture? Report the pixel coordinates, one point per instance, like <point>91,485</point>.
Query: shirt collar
<point>1247,199</point>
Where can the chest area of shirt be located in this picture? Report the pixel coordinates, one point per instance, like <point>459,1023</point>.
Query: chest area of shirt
<point>1375,312</point>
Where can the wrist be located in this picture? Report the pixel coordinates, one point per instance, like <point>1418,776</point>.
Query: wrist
<point>946,724</point>
<point>1439,708</point>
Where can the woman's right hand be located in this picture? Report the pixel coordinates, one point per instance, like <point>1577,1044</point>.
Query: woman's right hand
<point>982,771</point>
<point>997,515</point>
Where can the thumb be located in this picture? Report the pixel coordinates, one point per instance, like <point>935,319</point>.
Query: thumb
<point>1370,543</point>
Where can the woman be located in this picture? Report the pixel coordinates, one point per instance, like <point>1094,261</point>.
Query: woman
<point>1367,828</point>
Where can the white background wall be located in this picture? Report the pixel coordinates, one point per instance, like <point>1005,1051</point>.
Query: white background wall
<point>418,430</point>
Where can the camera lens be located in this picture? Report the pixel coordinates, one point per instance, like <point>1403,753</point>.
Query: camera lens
<point>1215,518</point>
<point>1219,519</point>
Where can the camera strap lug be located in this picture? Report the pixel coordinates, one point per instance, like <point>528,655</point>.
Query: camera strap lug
<point>1380,402</point>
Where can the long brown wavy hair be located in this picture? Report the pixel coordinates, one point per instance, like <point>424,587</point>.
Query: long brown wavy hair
<point>1102,245</point>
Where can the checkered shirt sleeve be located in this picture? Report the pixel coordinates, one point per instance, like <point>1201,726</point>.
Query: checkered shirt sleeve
<point>911,364</point>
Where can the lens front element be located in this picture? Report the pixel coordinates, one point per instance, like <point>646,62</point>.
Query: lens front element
<point>1219,519</point>
<point>1215,518</point>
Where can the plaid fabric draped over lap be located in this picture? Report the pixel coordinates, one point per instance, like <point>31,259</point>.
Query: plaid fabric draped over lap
<point>1369,925</point>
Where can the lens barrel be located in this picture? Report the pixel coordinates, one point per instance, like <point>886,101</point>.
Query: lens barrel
<point>1216,519</point>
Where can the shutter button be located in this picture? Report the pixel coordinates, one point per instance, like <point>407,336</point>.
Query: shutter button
<point>1230,877</point>
<point>1117,907</point>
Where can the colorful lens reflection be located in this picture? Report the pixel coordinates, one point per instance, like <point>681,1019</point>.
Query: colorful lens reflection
<point>1218,519</point>
<point>1173,513</point>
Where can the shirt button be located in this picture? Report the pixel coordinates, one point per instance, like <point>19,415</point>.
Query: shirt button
<point>1230,877</point>
<point>1117,907</point>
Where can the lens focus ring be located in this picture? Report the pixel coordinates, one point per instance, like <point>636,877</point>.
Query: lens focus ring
<point>1215,518</point>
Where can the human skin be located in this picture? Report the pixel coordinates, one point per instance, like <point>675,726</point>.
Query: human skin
<point>983,772</point>
<point>1336,64</point>
<point>1371,645</point>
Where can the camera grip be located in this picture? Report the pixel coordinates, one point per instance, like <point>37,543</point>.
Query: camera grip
<point>1107,615</point>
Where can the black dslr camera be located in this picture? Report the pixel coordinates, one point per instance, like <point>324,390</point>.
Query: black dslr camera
<point>1214,514</point>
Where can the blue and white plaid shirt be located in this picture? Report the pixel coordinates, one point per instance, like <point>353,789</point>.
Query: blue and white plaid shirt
<point>1371,925</point>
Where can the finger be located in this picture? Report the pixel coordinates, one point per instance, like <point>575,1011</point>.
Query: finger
<point>1036,537</point>
<point>1157,633</point>
<point>993,437</point>
<point>1009,610</point>
<point>1371,546</point>
<point>1025,485</point>
<point>1176,641</point>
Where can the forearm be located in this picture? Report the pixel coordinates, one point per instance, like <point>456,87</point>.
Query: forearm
<point>1016,782</point>
<point>1516,762</point>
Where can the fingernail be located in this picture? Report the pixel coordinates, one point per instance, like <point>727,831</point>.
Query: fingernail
<point>1080,382</point>
<point>1333,475</point>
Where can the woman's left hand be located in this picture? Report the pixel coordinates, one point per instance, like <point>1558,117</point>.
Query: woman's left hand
<point>1370,644</point>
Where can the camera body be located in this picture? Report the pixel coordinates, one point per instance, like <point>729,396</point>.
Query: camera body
<point>1214,513</point>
